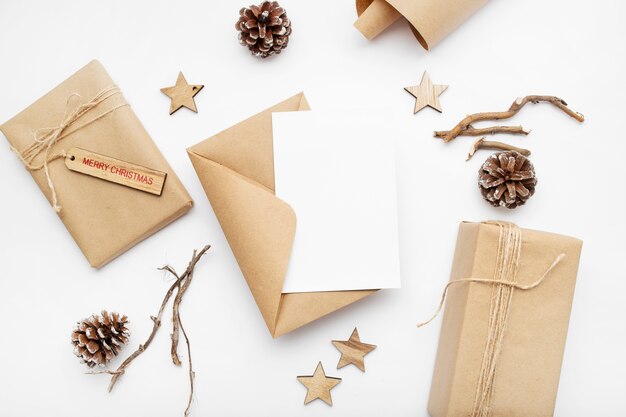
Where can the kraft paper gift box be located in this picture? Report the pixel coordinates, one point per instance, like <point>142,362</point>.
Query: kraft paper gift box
<point>236,169</point>
<point>104,218</point>
<point>430,20</point>
<point>527,363</point>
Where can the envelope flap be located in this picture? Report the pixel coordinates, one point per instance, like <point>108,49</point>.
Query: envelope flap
<point>298,309</point>
<point>247,147</point>
<point>259,227</point>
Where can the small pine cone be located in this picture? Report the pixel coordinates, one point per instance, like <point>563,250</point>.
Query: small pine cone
<point>264,29</point>
<point>98,339</point>
<point>507,179</point>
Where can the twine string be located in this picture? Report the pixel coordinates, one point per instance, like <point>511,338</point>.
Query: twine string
<point>491,281</point>
<point>507,265</point>
<point>504,283</point>
<point>45,138</point>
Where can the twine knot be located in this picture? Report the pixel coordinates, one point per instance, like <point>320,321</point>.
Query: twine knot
<point>45,138</point>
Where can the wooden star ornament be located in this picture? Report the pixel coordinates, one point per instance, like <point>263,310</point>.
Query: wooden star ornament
<point>426,94</point>
<point>182,94</point>
<point>319,385</point>
<point>353,351</point>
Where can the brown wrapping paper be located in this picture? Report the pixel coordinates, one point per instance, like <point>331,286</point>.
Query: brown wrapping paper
<point>430,20</point>
<point>105,219</point>
<point>529,365</point>
<point>236,169</point>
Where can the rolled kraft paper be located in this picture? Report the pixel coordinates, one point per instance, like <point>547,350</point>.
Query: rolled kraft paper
<point>430,20</point>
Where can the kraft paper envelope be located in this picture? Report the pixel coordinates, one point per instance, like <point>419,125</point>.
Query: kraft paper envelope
<point>236,169</point>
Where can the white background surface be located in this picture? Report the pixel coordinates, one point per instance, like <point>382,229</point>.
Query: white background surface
<point>509,48</point>
<point>337,170</point>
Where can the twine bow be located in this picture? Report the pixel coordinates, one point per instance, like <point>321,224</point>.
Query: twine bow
<point>45,138</point>
<point>504,283</point>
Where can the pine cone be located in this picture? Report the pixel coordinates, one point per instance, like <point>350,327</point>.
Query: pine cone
<point>264,29</point>
<point>507,179</point>
<point>98,339</point>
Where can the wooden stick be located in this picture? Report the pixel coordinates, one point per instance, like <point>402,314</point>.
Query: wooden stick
<point>492,144</point>
<point>466,124</point>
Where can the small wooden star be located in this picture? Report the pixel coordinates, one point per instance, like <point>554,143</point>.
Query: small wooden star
<point>426,94</point>
<point>353,351</point>
<point>182,94</point>
<point>319,385</point>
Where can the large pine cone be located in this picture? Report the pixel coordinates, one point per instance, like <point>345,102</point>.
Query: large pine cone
<point>264,29</point>
<point>507,179</point>
<point>98,339</point>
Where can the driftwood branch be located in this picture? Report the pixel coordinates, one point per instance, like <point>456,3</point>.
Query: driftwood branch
<point>492,144</point>
<point>471,131</point>
<point>181,284</point>
<point>465,128</point>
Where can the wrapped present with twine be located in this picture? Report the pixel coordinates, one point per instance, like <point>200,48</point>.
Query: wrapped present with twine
<point>97,165</point>
<point>507,309</point>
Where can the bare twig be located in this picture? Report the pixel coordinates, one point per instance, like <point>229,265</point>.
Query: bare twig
<point>177,325</point>
<point>156,323</point>
<point>192,374</point>
<point>492,144</point>
<point>181,284</point>
<point>465,125</point>
<point>471,131</point>
<point>182,288</point>
<point>104,371</point>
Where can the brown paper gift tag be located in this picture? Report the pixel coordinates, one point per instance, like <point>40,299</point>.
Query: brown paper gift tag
<point>430,20</point>
<point>236,169</point>
<point>105,219</point>
<point>529,365</point>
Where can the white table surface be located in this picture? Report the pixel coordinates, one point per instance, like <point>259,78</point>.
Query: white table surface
<point>572,49</point>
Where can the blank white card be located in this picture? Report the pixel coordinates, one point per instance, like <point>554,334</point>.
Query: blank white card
<point>337,171</point>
